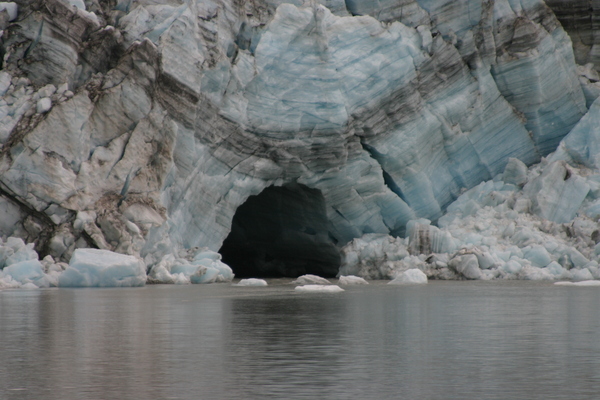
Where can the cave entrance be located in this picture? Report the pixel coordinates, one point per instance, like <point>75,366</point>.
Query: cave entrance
<point>281,232</point>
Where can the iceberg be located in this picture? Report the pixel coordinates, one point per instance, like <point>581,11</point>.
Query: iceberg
<point>582,283</point>
<point>102,268</point>
<point>254,282</point>
<point>352,280</point>
<point>318,289</point>
<point>309,279</point>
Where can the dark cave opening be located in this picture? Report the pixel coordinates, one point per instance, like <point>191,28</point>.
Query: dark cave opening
<point>281,232</point>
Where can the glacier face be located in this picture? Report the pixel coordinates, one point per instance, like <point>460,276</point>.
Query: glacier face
<point>143,127</point>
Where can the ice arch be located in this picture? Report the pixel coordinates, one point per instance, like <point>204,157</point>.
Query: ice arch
<point>283,231</point>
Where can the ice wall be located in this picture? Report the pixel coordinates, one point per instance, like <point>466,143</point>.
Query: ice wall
<point>141,127</point>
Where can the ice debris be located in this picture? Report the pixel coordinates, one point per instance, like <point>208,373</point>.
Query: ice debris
<point>251,282</point>
<point>537,223</point>
<point>582,283</point>
<point>21,268</point>
<point>204,267</point>
<point>318,289</point>
<point>310,279</point>
<point>102,268</point>
<point>352,280</point>
<point>410,277</point>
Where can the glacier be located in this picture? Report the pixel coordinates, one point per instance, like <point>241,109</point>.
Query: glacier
<point>215,138</point>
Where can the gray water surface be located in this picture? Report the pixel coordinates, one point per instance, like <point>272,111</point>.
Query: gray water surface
<point>443,340</point>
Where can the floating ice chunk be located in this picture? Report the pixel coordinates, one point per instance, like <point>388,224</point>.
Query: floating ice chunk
<point>102,268</point>
<point>251,282</point>
<point>318,289</point>
<point>410,277</point>
<point>352,280</point>
<point>11,8</point>
<point>582,283</point>
<point>29,271</point>
<point>309,279</point>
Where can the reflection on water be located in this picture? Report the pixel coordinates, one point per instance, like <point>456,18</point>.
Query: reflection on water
<point>447,340</point>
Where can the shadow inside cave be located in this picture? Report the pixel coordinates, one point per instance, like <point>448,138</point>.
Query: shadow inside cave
<point>282,232</point>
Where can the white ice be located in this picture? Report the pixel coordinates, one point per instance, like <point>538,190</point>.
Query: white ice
<point>582,283</point>
<point>536,223</point>
<point>318,289</point>
<point>410,277</point>
<point>204,267</point>
<point>251,282</point>
<point>309,279</point>
<point>102,268</point>
<point>352,280</point>
<point>11,8</point>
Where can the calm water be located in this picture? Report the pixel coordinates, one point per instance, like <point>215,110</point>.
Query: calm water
<point>446,340</point>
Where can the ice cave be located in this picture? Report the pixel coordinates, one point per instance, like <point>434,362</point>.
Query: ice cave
<point>321,137</point>
<point>283,231</point>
